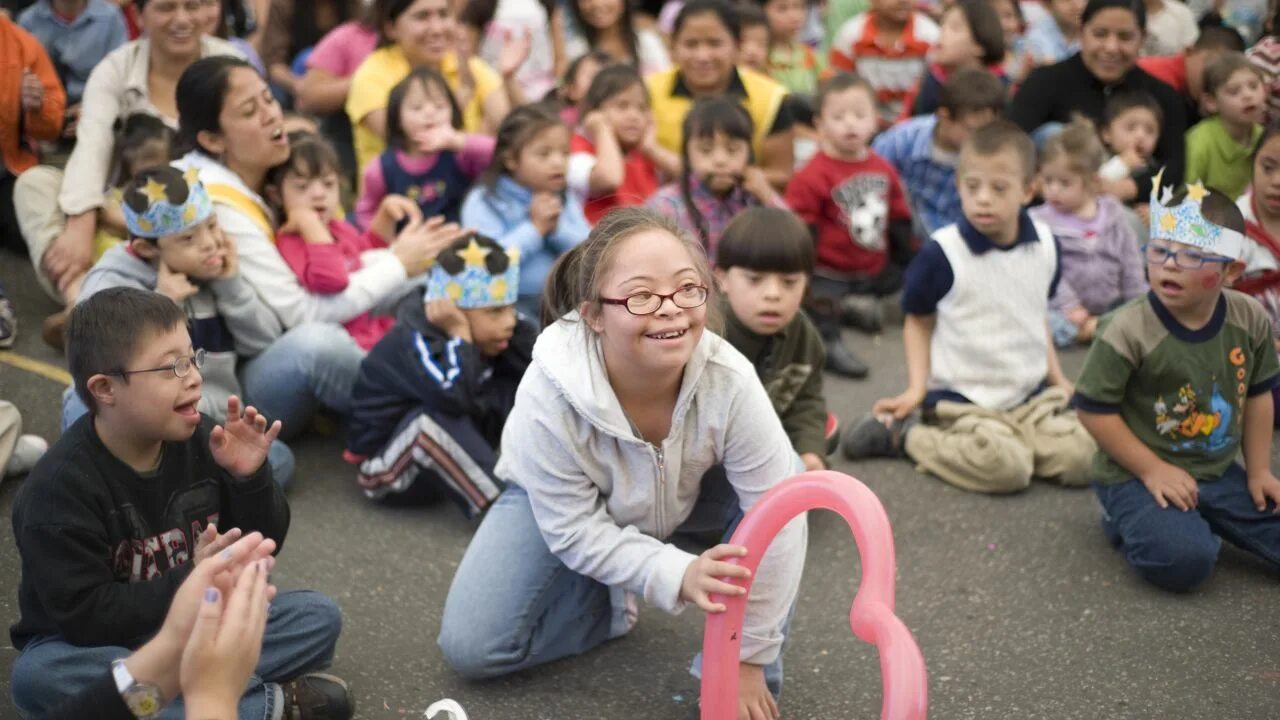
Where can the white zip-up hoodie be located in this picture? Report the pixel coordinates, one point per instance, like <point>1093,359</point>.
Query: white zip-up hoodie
<point>605,499</point>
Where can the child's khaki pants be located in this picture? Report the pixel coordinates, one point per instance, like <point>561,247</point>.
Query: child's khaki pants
<point>999,451</point>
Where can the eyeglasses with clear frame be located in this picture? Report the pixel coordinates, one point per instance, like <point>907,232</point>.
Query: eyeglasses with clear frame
<point>180,367</point>
<point>1190,259</point>
<point>648,303</point>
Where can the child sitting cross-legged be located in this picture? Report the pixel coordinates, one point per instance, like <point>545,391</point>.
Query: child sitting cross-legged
<point>1174,388</point>
<point>979,356</point>
<point>1101,268</point>
<point>433,395</point>
<point>176,249</point>
<point>131,498</point>
<point>763,266</point>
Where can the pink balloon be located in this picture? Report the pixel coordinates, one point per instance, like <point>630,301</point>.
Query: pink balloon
<point>871,617</point>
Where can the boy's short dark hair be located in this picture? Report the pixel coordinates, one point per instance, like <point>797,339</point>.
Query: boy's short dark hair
<point>1218,38</point>
<point>751,16</point>
<point>970,91</point>
<point>1123,102</point>
<point>103,332</point>
<point>1216,207</point>
<point>1219,70</point>
<point>837,83</point>
<point>766,239</point>
<point>999,135</point>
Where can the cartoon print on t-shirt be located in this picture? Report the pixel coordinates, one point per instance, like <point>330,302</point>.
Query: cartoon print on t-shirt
<point>864,206</point>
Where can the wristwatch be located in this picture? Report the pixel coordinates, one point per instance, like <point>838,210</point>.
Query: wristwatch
<point>142,699</point>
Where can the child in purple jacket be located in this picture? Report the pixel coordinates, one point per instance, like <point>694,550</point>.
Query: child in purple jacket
<point>1101,260</point>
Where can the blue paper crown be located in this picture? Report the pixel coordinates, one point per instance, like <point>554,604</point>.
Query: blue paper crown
<point>1185,222</point>
<point>475,272</point>
<point>162,213</point>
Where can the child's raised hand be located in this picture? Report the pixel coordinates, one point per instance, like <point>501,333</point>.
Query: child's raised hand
<point>755,182</point>
<point>515,50</point>
<point>755,702</point>
<point>596,123</point>
<point>421,240</point>
<point>1171,484</point>
<point>702,577</point>
<point>300,219</point>
<point>544,211</point>
<point>900,406</point>
<point>395,208</point>
<point>1132,159</point>
<point>1263,487</point>
<point>240,445</point>
<point>438,138</point>
<point>230,255</point>
<point>444,314</point>
<point>174,285</point>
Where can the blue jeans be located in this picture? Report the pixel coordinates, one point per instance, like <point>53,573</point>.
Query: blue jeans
<point>302,632</point>
<point>310,366</point>
<point>513,605</point>
<point>279,454</point>
<point>1177,550</point>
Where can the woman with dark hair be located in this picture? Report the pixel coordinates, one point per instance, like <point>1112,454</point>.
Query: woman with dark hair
<point>235,130</point>
<point>705,47</point>
<point>610,26</point>
<point>58,220</point>
<point>1111,37</point>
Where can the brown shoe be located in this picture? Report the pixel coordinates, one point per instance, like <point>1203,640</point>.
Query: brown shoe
<point>317,696</point>
<point>53,329</point>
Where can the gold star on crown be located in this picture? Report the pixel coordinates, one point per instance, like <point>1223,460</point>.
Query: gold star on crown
<point>474,255</point>
<point>153,191</point>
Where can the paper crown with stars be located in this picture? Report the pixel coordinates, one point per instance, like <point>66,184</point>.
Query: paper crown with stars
<point>475,272</point>
<point>1185,223</point>
<point>164,201</point>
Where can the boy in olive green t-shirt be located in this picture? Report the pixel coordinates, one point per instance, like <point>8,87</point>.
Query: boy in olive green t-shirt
<point>1175,383</point>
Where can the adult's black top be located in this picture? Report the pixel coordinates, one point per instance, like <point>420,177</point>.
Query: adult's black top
<point>1056,92</point>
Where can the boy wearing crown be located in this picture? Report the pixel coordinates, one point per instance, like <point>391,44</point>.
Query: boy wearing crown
<point>433,394</point>
<point>176,249</point>
<point>1175,385</point>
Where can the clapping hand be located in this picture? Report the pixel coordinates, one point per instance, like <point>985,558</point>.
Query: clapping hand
<point>240,445</point>
<point>515,50</point>
<point>32,92</point>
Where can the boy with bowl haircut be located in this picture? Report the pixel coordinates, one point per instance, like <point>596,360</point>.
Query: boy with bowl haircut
<point>979,356</point>
<point>433,395</point>
<point>1175,386</point>
<point>129,499</point>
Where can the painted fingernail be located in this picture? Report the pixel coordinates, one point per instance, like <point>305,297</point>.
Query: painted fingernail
<point>211,595</point>
<point>226,554</point>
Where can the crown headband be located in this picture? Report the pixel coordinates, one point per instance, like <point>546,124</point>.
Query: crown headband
<point>167,204</point>
<point>1185,222</point>
<point>475,272</point>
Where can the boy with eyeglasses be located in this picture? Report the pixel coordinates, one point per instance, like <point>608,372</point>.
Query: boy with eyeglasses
<point>176,249</point>
<point>1175,385</point>
<point>433,395</point>
<point>129,500</point>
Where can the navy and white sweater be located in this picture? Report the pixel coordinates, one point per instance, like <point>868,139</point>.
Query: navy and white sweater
<point>417,368</point>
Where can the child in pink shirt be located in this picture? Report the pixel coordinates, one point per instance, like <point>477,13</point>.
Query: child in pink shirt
<point>317,243</point>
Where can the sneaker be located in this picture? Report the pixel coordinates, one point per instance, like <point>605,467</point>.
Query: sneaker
<point>862,312</point>
<point>26,453</point>
<point>872,437</point>
<point>317,696</point>
<point>842,361</point>
<point>8,324</point>
<point>451,709</point>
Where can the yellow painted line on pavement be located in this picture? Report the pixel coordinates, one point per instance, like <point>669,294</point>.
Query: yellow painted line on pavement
<point>43,369</point>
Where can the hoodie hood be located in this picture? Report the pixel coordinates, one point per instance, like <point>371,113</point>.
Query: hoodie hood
<point>571,357</point>
<point>118,267</point>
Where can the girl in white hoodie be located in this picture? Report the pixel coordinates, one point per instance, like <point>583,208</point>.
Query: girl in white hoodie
<point>631,414</point>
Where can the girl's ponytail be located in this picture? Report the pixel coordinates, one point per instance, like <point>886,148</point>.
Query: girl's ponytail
<point>560,293</point>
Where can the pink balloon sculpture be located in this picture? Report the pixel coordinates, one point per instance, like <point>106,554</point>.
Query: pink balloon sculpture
<point>871,617</point>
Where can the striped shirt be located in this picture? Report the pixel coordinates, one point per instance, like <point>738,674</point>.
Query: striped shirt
<point>893,69</point>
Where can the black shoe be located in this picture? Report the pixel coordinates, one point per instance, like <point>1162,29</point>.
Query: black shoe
<point>316,696</point>
<point>842,361</point>
<point>871,437</point>
<point>862,312</point>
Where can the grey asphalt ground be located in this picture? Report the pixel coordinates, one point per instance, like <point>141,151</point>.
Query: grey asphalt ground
<point>1020,606</point>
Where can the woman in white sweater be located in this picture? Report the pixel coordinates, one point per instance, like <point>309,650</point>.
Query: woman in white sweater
<point>633,421</point>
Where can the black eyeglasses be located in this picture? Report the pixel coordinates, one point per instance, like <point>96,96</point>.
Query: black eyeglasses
<point>179,367</point>
<point>647,303</point>
<point>1185,259</point>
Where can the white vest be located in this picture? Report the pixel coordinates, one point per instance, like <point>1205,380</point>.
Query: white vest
<point>990,342</point>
